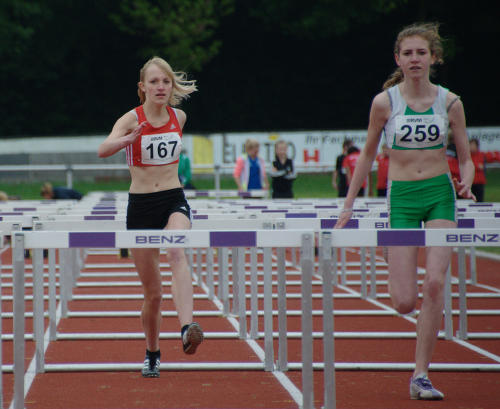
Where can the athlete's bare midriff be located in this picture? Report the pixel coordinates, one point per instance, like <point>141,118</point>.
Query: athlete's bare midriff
<point>417,164</point>
<point>149,179</point>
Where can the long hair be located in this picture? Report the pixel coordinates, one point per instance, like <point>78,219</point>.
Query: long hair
<point>181,86</point>
<point>429,32</point>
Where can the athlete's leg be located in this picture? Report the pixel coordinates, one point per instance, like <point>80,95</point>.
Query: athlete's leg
<point>182,285</point>
<point>403,277</point>
<point>146,261</point>
<point>431,311</point>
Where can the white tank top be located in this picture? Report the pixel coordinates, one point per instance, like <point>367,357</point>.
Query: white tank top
<point>407,129</point>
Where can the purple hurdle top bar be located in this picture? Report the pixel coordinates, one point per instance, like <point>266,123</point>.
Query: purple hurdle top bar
<point>330,223</point>
<point>401,238</point>
<point>11,213</point>
<point>301,215</point>
<point>99,217</point>
<point>103,212</point>
<point>233,238</point>
<point>326,207</point>
<point>275,211</point>
<point>201,193</point>
<point>200,216</point>
<point>92,239</point>
<point>24,209</point>
<point>466,223</point>
<point>255,207</point>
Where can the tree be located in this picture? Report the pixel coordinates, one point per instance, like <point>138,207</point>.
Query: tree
<point>179,30</point>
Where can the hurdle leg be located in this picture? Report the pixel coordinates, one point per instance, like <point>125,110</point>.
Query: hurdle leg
<point>254,289</point>
<point>462,289</point>
<point>19,309</point>
<point>223,279</point>
<point>199,266</point>
<point>473,269</point>
<point>38,310</point>
<point>448,316</point>
<point>328,326</point>
<point>235,277</point>
<point>343,273</point>
<point>210,273</point>
<point>282,324</point>
<point>242,307</point>
<point>268,311</point>
<point>335,265</point>
<point>364,291</point>
<point>52,295</point>
<point>373,273</point>
<point>307,267</point>
<point>64,280</point>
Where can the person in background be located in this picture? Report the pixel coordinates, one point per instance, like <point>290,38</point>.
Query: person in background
<point>185,171</point>
<point>415,115</point>
<point>480,160</point>
<point>349,164</point>
<point>282,172</point>
<point>3,196</point>
<point>382,169</point>
<point>339,181</point>
<point>151,135</point>
<point>250,170</point>
<point>58,192</point>
<point>451,157</point>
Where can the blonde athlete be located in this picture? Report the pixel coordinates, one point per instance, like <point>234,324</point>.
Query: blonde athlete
<point>415,115</point>
<point>152,137</point>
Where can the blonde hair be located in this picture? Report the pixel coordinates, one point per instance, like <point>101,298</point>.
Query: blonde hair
<point>3,196</point>
<point>181,87</point>
<point>251,143</point>
<point>279,142</point>
<point>430,33</point>
<point>46,189</point>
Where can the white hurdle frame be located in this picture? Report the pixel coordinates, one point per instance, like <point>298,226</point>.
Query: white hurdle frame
<point>39,240</point>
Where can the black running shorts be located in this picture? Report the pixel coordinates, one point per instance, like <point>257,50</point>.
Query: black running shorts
<point>152,210</point>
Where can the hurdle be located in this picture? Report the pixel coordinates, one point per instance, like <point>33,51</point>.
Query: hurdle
<point>41,239</point>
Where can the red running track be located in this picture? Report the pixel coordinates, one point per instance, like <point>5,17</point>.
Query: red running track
<point>249,389</point>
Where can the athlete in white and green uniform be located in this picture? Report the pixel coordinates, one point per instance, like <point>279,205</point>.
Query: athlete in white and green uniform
<point>412,202</point>
<point>421,190</point>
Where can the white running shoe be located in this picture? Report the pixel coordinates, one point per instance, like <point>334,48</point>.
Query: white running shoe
<point>421,388</point>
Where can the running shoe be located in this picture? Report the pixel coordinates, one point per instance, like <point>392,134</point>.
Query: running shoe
<point>191,338</point>
<point>151,368</point>
<point>421,388</point>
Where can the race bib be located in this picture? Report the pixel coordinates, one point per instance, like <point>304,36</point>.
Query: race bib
<point>420,131</point>
<point>160,149</point>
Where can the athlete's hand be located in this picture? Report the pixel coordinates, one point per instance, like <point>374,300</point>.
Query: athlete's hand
<point>136,132</point>
<point>344,217</point>
<point>463,190</point>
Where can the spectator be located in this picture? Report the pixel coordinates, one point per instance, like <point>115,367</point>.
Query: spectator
<point>250,170</point>
<point>185,171</point>
<point>451,157</point>
<point>349,164</point>
<point>58,192</point>
<point>382,169</point>
<point>480,159</point>
<point>3,196</point>
<point>339,180</point>
<point>283,173</point>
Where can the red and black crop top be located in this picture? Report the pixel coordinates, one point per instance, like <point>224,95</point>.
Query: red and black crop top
<point>156,146</point>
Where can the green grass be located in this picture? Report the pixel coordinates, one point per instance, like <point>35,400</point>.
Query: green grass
<point>316,185</point>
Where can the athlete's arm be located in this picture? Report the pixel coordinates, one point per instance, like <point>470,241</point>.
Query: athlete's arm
<point>379,113</point>
<point>125,131</point>
<point>456,117</point>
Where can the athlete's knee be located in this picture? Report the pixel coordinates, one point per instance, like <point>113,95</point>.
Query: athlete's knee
<point>404,306</point>
<point>176,256</point>
<point>433,288</point>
